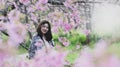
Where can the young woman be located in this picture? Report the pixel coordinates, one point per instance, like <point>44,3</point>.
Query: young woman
<point>42,40</point>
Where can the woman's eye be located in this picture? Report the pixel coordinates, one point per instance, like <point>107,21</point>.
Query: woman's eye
<point>45,27</point>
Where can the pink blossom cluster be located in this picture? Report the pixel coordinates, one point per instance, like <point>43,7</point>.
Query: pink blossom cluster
<point>97,57</point>
<point>42,59</point>
<point>64,41</point>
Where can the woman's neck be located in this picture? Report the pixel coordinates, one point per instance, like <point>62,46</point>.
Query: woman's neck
<point>44,37</point>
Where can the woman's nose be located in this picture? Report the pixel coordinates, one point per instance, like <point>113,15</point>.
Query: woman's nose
<point>45,28</point>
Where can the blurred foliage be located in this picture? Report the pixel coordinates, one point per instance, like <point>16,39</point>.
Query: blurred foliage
<point>74,37</point>
<point>3,37</point>
<point>114,49</point>
<point>71,57</point>
<point>26,45</point>
<point>22,50</point>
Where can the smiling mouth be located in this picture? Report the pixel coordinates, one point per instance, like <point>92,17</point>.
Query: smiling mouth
<point>45,31</point>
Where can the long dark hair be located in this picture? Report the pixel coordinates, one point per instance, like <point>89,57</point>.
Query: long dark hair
<point>48,35</point>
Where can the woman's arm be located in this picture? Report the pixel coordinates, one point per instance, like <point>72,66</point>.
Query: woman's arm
<point>32,48</point>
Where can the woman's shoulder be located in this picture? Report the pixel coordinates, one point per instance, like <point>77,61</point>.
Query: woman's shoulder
<point>35,36</point>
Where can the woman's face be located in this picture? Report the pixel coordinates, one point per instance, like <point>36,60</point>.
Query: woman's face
<point>44,28</point>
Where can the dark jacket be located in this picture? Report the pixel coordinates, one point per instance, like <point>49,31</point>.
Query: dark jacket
<point>33,47</point>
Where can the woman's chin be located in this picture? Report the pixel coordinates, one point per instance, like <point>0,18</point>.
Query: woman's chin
<point>44,32</point>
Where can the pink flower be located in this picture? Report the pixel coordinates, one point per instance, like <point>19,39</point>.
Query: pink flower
<point>87,32</point>
<point>55,29</point>
<point>55,61</point>
<point>75,15</point>
<point>51,59</point>
<point>64,41</point>
<point>5,52</point>
<point>60,39</point>
<point>2,26</point>
<point>67,27</point>
<point>58,47</point>
<point>67,3</point>
<point>14,16</point>
<point>17,32</point>
<point>34,17</point>
<point>85,59</point>
<point>100,48</point>
<point>40,5</point>
<point>23,64</point>
<point>25,2</point>
<point>2,57</point>
<point>43,1</point>
<point>31,8</point>
<point>39,43</point>
<point>110,61</point>
<point>2,17</point>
